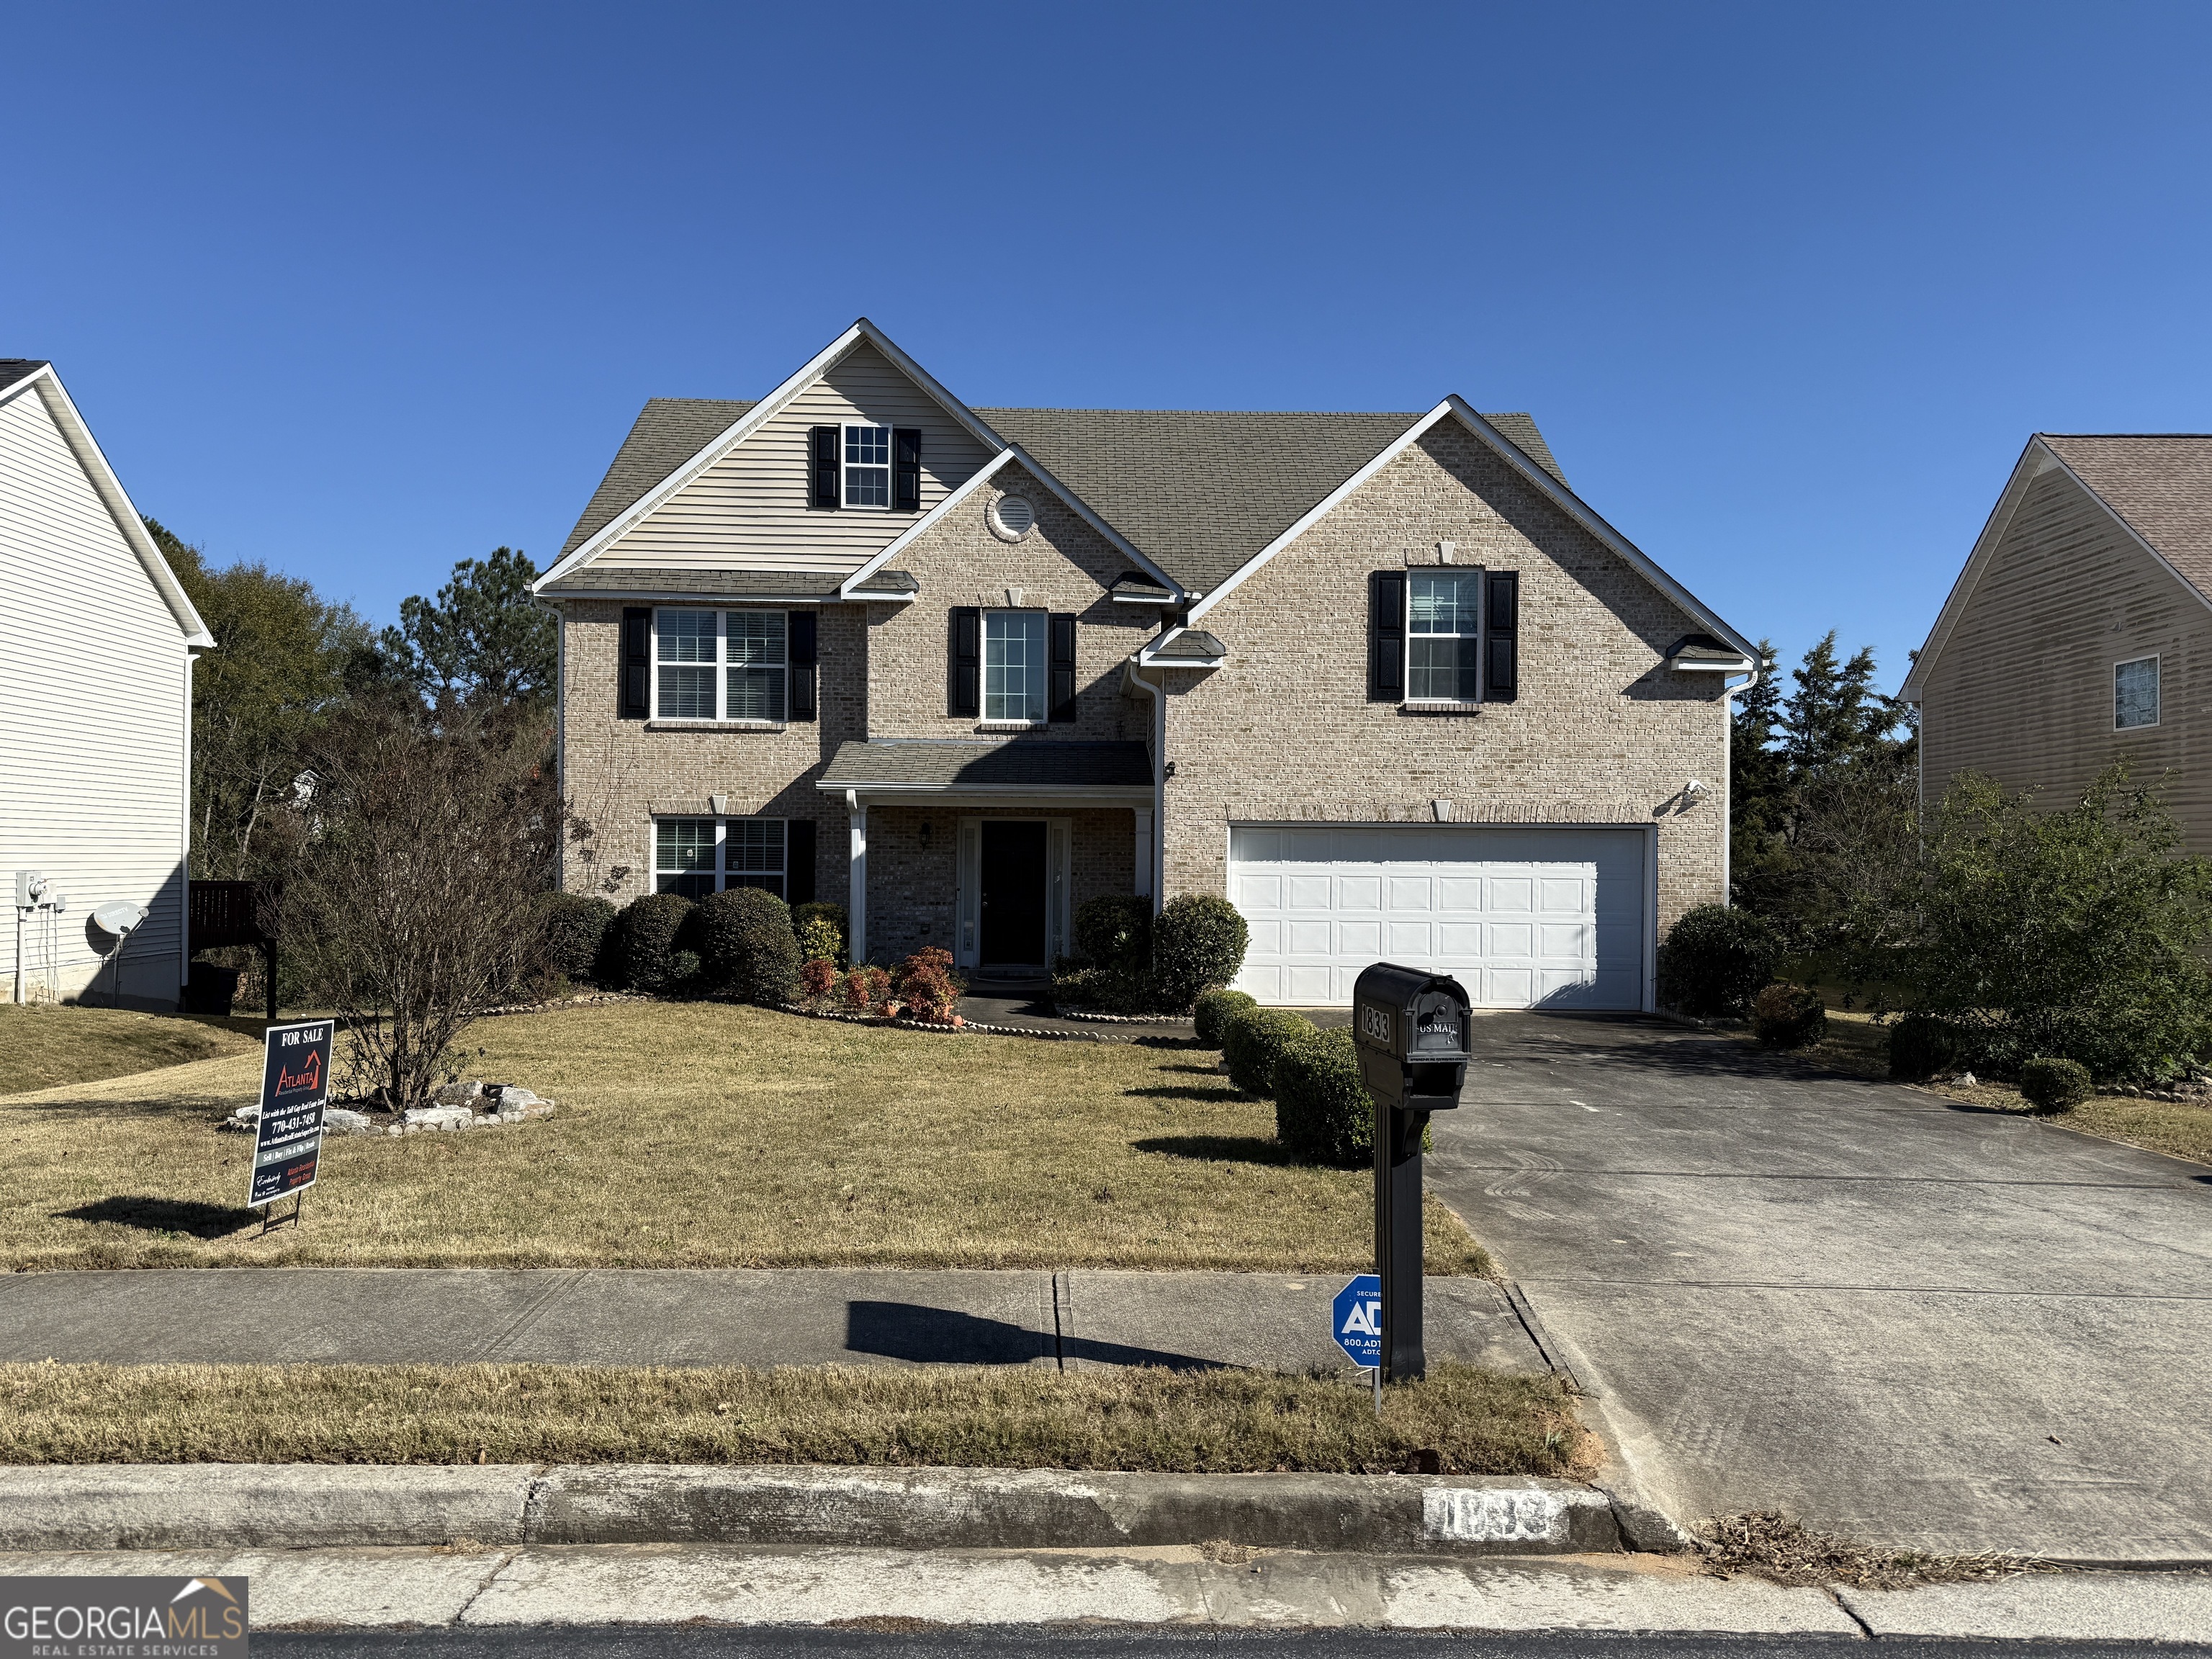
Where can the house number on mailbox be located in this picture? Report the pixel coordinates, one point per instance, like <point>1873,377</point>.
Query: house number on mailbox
<point>1375,1022</point>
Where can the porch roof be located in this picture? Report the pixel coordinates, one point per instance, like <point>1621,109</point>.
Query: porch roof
<point>1017,766</point>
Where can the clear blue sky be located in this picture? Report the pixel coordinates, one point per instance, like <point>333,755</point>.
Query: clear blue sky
<point>362,291</point>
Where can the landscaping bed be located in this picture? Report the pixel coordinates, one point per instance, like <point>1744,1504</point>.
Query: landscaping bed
<point>1461,1420</point>
<point>42,1046</point>
<point>708,1134</point>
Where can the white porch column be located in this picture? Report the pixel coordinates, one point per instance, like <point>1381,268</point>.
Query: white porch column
<point>856,902</point>
<point>1144,817</point>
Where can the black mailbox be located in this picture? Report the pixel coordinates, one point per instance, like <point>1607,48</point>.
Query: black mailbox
<point>1411,1031</point>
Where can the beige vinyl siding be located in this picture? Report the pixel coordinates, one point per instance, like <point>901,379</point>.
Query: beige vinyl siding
<point>750,509</point>
<point>2022,690</point>
<point>93,715</point>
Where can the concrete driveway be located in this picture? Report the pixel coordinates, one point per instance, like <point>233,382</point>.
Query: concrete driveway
<point>1891,1317</point>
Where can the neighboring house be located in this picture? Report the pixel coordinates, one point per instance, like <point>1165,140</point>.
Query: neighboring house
<point>1382,679</point>
<point>2081,630</point>
<point>96,640</point>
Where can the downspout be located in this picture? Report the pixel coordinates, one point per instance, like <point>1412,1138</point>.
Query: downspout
<point>1727,792</point>
<point>1132,678</point>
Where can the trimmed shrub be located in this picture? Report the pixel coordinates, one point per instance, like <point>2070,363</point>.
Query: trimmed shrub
<point>822,928</point>
<point>1197,941</point>
<point>746,950</point>
<point>1920,1046</point>
<point>1787,1016</point>
<point>1717,959</point>
<point>576,933</point>
<point>645,943</point>
<point>926,983</point>
<point>1114,930</point>
<point>1323,1113</point>
<point>1254,1039</point>
<point>817,979</point>
<point>1213,1011</point>
<point>2054,1085</point>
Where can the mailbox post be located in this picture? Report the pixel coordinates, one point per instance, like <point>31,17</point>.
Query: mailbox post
<point>1412,1032</point>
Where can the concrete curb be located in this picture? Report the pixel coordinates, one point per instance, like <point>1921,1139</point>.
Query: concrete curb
<point>244,1505</point>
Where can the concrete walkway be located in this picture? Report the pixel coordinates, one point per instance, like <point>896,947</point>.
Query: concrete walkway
<point>656,1316</point>
<point>1893,1317</point>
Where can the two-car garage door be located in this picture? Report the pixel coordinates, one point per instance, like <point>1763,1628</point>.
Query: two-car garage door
<point>1524,917</point>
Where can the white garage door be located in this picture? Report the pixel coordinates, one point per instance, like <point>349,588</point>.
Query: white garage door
<point>1525,918</point>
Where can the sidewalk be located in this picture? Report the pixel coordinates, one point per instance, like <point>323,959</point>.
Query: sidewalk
<point>719,1316</point>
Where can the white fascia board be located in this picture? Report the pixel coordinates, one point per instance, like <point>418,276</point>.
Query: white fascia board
<point>1739,665</point>
<point>86,448</point>
<point>1008,456</point>
<point>758,415</point>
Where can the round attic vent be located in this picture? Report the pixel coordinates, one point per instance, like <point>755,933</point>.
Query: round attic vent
<point>1012,517</point>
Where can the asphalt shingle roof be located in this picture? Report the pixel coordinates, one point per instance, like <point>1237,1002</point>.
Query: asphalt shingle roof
<point>979,768</point>
<point>13,369</point>
<point>2160,483</point>
<point>668,432</point>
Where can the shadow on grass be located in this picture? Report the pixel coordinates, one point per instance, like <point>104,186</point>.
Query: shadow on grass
<point>1188,1091</point>
<point>1222,1149</point>
<point>1194,1071</point>
<point>165,1215</point>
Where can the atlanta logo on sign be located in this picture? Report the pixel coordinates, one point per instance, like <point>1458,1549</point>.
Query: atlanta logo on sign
<point>1355,1320</point>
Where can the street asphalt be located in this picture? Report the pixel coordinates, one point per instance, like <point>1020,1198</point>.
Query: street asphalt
<point>1891,1316</point>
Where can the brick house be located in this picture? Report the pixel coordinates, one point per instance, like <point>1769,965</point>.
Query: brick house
<point>1382,679</point>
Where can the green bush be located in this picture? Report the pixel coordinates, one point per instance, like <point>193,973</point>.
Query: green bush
<point>576,933</point>
<point>1323,1113</point>
<point>746,948</point>
<point>1197,941</point>
<point>808,922</point>
<point>1920,1046</point>
<point>1786,1016</point>
<point>1114,930</point>
<point>1213,1011</point>
<point>2054,1085</point>
<point>645,942</point>
<point>1717,959</point>
<point>1254,1039</point>
<point>1124,989</point>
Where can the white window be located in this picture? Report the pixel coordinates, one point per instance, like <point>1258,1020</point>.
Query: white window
<point>698,856</point>
<point>1443,644</point>
<point>868,466</point>
<point>1014,683</point>
<point>2135,693</point>
<point>719,664</point>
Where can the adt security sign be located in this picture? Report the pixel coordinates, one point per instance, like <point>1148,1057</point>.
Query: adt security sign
<point>295,1082</point>
<point>1355,1320</point>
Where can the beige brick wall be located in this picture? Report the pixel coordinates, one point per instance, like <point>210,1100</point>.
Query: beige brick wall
<point>1603,733</point>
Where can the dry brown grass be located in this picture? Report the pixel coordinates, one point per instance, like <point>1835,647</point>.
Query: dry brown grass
<point>1767,1545</point>
<point>693,1135</point>
<point>1466,1420</point>
<point>42,1046</point>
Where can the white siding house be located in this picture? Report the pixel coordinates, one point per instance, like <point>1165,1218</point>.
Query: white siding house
<point>96,643</point>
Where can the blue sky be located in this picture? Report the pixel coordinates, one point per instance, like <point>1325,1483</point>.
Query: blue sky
<point>362,291</point>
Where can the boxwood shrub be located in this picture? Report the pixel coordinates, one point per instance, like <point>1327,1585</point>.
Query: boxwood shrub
<point>646,948</point>
<point>746,947</point>
<point>1198,940</point>
<point>1253,1039</point>
<point>1213,1011</point>
<point>1323,1113</point>
<point>1114,930</point>
<point>2054,1085</point>
<point>576,933</point>
<point>1716,960</point>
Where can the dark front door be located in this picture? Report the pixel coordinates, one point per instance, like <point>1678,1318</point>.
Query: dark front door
<point>1013,895</point>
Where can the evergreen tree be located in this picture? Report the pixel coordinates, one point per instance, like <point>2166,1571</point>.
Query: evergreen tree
<point>482,641</point>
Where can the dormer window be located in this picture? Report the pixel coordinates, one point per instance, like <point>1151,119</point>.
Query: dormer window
<point>868,466</point>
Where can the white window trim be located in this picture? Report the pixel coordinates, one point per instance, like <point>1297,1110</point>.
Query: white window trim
<point>720,720</point>
<point>2157,690</point>
<point>1000,723</point>
<point>1481,636</point>
<point>845,466</point>
<point>721,871</point>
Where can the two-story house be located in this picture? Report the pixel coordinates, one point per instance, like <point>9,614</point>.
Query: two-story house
<point>1382,679</point>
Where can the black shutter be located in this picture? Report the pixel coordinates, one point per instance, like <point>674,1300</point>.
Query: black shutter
<point>635,687</point>
<point>906,469</point>
<point>798,860</point>
<point>801,636</point>
<point>1501,677</point>
<point>1063,666</point>
<point>964,677</point>
<point>1386,636</point>
<point>822,443</point>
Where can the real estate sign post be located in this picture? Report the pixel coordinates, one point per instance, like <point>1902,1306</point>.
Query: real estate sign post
<point>295,1085</point>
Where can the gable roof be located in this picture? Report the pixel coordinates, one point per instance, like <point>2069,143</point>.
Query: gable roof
<point>2157,486</point>
<point>35,377</point>
<point>668,432</point>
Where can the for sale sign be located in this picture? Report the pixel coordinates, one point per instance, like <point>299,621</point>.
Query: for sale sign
<point>295,1084</point>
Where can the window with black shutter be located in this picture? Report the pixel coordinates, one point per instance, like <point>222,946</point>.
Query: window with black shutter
<point>1063,666</point>
<point>906,469</point>
<point>635,689</point>
<point>822,466</point>
<point>802,658</point>
<point>964,667</point>
<point>799,861</point>
<point>1501,677</point>
<point>1386,636</point>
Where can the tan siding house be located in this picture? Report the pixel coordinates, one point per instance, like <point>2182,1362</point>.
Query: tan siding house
<point>1382,680</point>
<point>95,716</point>
<point>2080,631</point>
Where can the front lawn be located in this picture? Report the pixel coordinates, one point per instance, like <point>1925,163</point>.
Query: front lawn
<point>43,1046</point>
<point>697,1135</point>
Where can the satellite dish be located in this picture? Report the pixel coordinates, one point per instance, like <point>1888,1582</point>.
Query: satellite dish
<point>118,918</point>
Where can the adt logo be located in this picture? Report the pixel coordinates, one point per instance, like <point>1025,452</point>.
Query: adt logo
<point>1356,1320</point>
